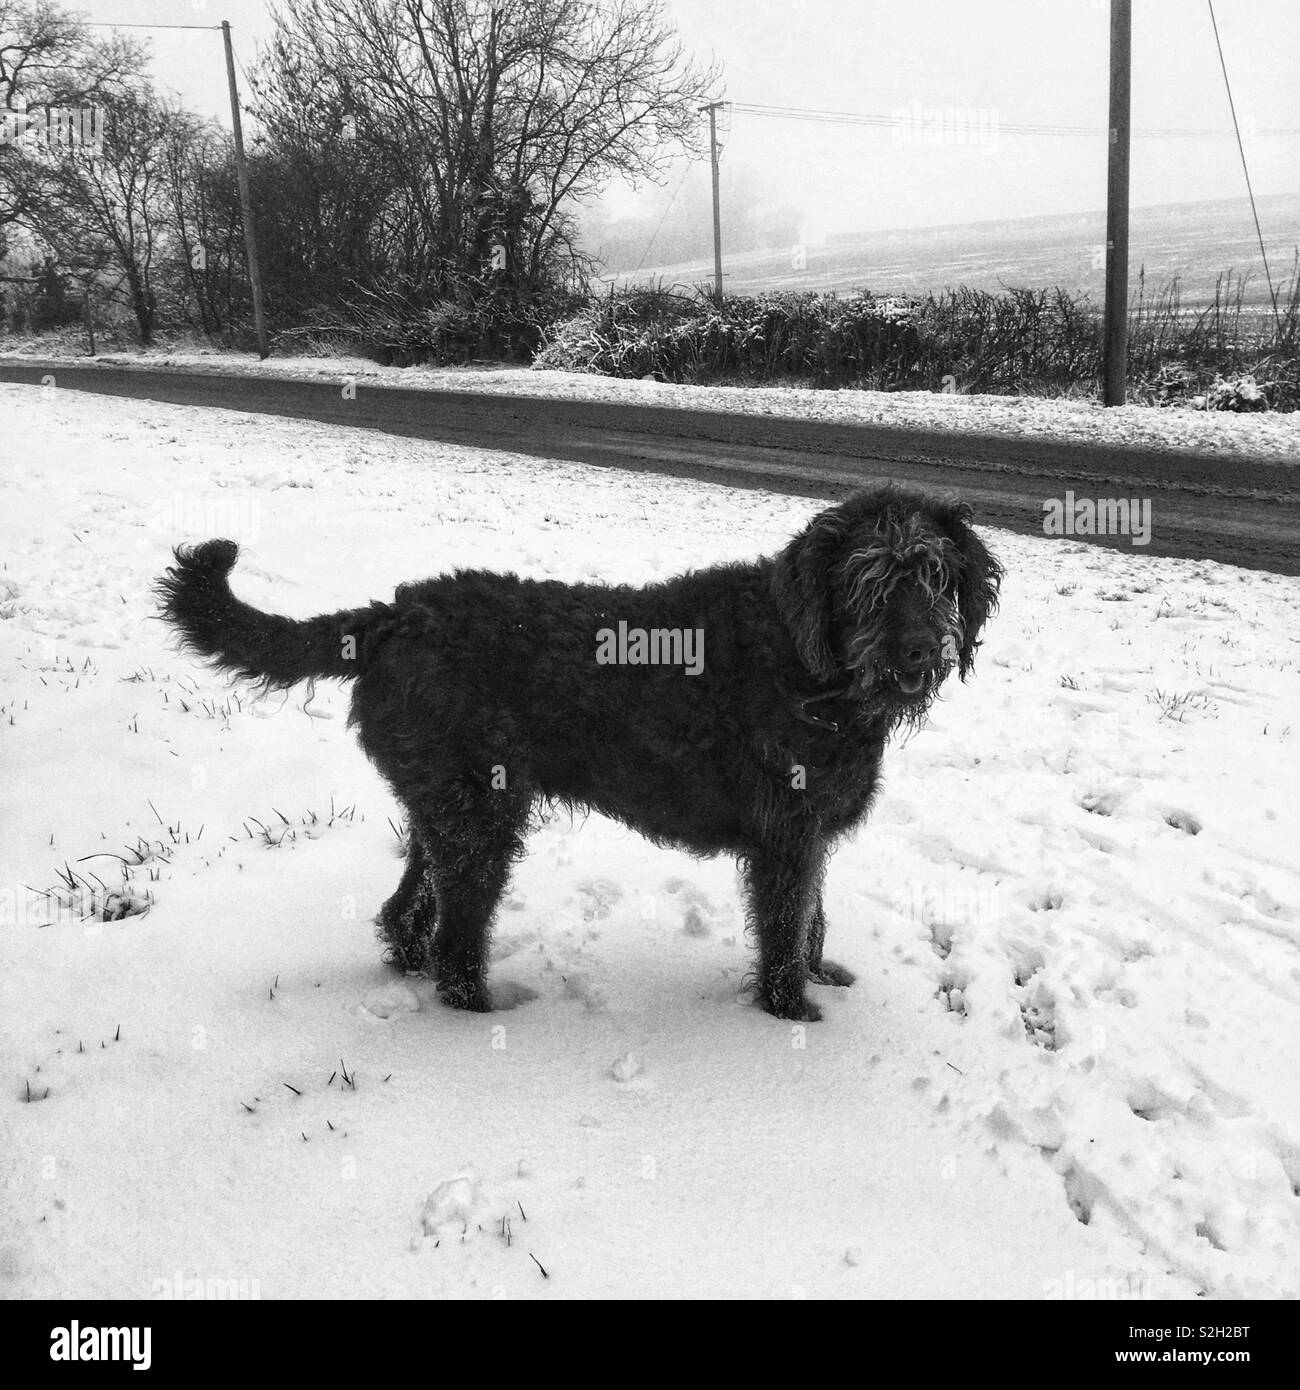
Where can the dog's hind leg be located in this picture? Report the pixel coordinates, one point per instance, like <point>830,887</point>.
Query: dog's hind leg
<point>406,920</point>
<point>782,885</point>
<point>472,835</point>
<point>823,972</point>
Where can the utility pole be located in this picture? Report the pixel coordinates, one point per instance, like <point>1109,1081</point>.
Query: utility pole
<point>712,109</point>
<point>1115,352</point>
<point>88,318</point>
<point>245,200</point>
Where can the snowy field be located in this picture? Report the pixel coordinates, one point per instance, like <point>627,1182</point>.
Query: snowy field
<point>1067,1069</point>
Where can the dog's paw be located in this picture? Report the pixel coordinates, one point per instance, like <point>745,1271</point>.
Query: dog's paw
<point>797,1010</point>
<point>409,960</point>
<point>828,973</point>
<point>465,994</point>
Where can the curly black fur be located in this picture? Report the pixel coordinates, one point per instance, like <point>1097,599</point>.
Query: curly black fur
<point>479,696</point>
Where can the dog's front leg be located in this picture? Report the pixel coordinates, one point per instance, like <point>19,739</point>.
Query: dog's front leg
<point>823,972</point>
<point>782,886</point>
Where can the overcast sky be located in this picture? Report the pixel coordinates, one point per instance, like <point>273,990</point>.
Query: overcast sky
<point>996,62</point>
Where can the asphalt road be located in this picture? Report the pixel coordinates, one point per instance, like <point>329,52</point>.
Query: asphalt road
<point>1241,512</point>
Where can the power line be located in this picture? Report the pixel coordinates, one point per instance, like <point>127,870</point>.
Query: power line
<point>96,24</point>
<point>252,85</point>
<point>203,28</point>
<point>663,219</point>
<point>905,114</point>
<point>794,113</point>
<point>1242,150</point>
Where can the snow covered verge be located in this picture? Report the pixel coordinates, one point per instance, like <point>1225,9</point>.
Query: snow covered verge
<point>1275,437</point>
<point>1065,1072</point>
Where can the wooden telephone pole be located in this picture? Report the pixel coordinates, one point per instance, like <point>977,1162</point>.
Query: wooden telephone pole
<point>245,199</point>
<point>1115,352</point>
<point>712,108</point>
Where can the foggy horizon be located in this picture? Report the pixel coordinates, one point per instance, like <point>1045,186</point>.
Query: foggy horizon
<point>998,67</point>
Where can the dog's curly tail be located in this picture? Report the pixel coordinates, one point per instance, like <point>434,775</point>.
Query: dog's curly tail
<point>195,597</point>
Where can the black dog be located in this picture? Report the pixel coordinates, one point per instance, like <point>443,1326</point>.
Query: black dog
<point>742,709</point>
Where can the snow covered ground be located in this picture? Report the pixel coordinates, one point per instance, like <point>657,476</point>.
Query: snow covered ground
<point>1066,1070</point>
<point>1272,436</point>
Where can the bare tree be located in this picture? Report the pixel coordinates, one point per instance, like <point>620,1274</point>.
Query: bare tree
<point>330,207</point>
<point>495,119</point>
<point>48,58</point>
<point>103,206</point>
<point>200,195</point>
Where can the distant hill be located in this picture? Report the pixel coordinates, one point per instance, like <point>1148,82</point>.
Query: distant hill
<point>1195,241</point>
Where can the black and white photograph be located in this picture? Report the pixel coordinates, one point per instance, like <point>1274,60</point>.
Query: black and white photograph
<point>649,651</point>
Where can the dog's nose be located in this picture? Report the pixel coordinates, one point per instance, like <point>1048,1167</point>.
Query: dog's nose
<point>920,649</point>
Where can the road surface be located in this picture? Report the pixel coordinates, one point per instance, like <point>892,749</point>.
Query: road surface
<point>1241,512</point>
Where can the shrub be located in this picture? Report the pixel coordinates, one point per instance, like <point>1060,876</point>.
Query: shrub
<point>399,327</point>
<point>819,338</point>
<point>1018,341</point>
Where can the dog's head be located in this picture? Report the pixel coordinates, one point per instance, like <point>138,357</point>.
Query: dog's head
<point>892,587</point>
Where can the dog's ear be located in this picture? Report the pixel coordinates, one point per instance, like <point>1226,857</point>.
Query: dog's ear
<point>801,584</point>
<point>979,579</point>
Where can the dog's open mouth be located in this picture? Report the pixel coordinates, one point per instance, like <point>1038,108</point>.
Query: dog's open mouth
<point>913,683</point>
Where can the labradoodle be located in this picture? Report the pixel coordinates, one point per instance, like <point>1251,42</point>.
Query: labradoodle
<point>742,709</point>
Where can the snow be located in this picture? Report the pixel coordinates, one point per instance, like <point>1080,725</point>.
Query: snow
<point>1271,436</point>
<point>1064,1071</point>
